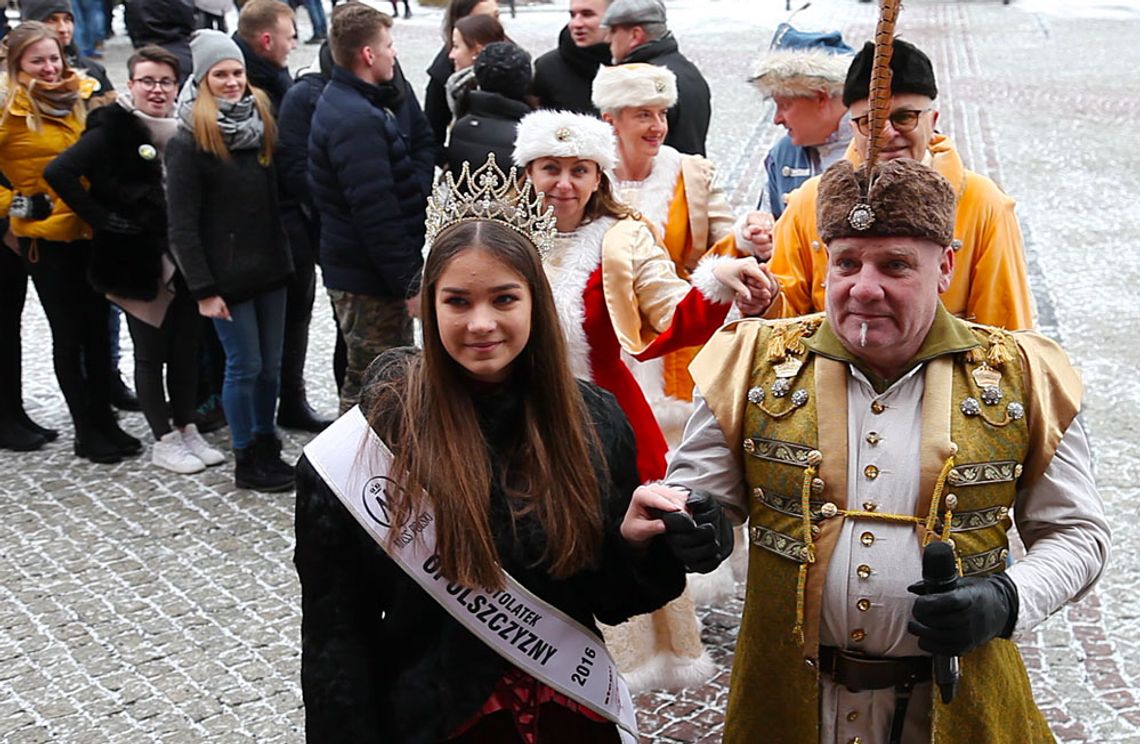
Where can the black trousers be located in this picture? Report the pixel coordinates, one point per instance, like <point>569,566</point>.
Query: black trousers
<point>80,346</point>
<point>13,291</point>
<point>175,346</point>
<point>299,295</point>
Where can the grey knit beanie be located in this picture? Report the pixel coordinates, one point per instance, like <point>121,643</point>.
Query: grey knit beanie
<point>41,10</point>
<point>209,47</point>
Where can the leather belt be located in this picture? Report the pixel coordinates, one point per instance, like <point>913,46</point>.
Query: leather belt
<point>857,672</point>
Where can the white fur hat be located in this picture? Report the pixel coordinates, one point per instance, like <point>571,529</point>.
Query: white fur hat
<point>562,134</point>
<point>636,84</point>
<point>801,73</point>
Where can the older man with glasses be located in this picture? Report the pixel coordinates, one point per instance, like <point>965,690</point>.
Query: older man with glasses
<point>990,283</point>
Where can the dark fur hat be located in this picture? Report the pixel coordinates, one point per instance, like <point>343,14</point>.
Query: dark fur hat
<point>908,200</point>
<point>910,67</point>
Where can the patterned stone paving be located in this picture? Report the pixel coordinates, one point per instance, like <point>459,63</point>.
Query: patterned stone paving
<point>140,606</point>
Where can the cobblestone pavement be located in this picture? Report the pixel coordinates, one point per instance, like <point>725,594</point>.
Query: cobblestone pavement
<point>140,606</point>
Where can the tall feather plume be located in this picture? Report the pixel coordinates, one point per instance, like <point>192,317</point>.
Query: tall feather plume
<point>880,94</point>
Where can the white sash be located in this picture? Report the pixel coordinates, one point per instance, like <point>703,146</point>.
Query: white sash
<point>526,631</point>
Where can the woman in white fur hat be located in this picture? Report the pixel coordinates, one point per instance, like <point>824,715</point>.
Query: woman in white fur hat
<point>676,194</point>
<point>617,290</point>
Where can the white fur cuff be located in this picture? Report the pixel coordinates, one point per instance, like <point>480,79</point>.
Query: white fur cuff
<point>707,283</point>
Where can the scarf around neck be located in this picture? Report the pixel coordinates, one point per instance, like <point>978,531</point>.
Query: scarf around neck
<point>51,99</point>
<point>239,122</point>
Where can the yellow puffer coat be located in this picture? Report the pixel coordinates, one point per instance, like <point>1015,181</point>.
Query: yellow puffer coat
<point>24,153</point>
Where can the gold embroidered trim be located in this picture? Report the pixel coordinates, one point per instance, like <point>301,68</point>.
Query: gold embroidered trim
<point>774,450</point>
<point>789,505</point>
<point>983,473</point>
<point>778,543</point>
<point>968,521</point>
<point>986,562</point>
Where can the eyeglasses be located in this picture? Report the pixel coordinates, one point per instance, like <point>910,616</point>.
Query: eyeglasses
<point>149,83</point>
<point>903,120</point>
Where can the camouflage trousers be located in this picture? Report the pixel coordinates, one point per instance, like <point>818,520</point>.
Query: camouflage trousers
<point>370,326</point>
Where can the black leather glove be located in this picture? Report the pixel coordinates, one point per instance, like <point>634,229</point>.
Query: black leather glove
<point>34,207</point>
<point>117,223</point>
<point>703,541</point>
<point>956,622</point>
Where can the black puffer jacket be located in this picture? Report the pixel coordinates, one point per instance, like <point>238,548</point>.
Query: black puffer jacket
<point>689,118</point>
<point>564,77</point>
<point>225,222</point>
<point>166,23</point>
<point>489,126</point>
<point>370,169</point>
<point>382,662</point>
<point>116,154</point>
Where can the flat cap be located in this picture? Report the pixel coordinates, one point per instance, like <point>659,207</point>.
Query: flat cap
<point>907,200</point>
<point>634,13</point>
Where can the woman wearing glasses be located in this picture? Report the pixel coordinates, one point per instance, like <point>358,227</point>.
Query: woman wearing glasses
<point>120,156</point>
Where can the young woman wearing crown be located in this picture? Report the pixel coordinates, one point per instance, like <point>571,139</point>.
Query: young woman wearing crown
<point>490,432</point>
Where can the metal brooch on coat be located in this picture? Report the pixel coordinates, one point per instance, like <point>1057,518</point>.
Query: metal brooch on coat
<point>781,387</point>
<point>799,398</point>
<point>991,395</point>
<point>971,407</point>
<point>756,395</point>
<point>1015,411</point>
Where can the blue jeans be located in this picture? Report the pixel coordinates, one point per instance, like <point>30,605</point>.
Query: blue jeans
<point>252,341</point>
<point>317,18</point>
<point>89,24</point>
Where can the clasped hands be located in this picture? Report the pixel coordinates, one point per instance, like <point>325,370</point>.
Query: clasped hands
<point>696,528</point>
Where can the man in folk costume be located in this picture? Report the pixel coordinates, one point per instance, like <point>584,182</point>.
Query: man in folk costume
<point>854,439</point>
<point>677,195</point>
<point>991,284</point>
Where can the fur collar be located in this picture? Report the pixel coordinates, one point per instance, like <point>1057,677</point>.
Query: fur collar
<point>569,265</point>
<point>654,196</point>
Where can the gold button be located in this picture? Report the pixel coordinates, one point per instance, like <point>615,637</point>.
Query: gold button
<point>950,542</point>
<point>951,501</point>
<point>758,492</point>
<point>867,539</point>
<point>814,530</point>
<point>1003,512</point>
<point>815,457</point>
<point>853,715</point>
<point>864,571</point>
<point>873,438</point>
<point>749,446</point>
<point>877,407</point>
<point>828,510</point>
<point>863,605</point>
<point>858,634</point>
<point>817,485</point>
<point>1004,555</point>
<point>856,740</point>
<point>871,472</point>
<point>870,506</point>
<point>953,448</point>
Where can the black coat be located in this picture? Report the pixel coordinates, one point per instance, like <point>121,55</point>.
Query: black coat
<point>165,23</point>
<point>294,121</point>
<point>689,118</point>
<point>225,222</point>
<point>263,74</point>
<point>371,159</point>
<point>111,156</point>
<point>489,126</point>
<point>383,662</point>
<point>436,110</point>
<point>564,77</point>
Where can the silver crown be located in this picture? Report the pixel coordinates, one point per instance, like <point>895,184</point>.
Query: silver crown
<point>487,193</point>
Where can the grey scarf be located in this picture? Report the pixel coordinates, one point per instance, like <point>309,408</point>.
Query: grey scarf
<point>160,129</point>
<point>239,122</point>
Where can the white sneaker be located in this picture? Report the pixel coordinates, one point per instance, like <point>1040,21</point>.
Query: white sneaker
<point>200,447</point>
<point>171,453</point>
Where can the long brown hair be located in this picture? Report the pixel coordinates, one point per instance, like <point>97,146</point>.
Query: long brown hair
<point>13,47</point>
<point>604,203</point>
<point>440,450</point>
<point>207,134</point>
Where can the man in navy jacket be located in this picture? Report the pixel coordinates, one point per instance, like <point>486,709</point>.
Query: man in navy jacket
<point>371,155</point>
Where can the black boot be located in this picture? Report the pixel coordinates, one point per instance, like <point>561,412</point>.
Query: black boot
<point>294,412</point>
<point>21,416</point>
<point>15,437</point>
<point>121,396</point>
<point>210,416</point>
<point>107,425</point>
<point>268,449</point>
<point>250,472</point>
<point>93,445</point>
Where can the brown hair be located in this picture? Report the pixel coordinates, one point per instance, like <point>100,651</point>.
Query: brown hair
<point>353,28</point>
<point>14,46</point>
<point>604,203</point>
<point>480,30</point>
<point>156,54</point>
<point>260,16</point>
<point>456,10</point>
<point>442,451</point>
<point>207,134</point>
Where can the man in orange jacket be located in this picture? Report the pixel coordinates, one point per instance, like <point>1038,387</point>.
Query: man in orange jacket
<point>990,283</point>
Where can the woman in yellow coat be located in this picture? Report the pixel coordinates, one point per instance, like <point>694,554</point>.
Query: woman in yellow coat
<point>43,115</point>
